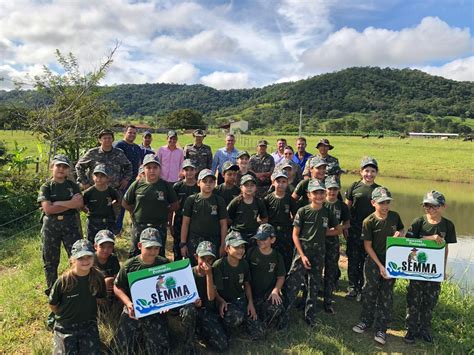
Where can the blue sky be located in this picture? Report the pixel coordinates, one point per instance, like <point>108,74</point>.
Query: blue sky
<point>237,44</point>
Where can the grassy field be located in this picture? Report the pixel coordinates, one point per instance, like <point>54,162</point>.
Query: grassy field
<point>24,309</point>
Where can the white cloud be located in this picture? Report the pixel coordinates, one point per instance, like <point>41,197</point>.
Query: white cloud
<point>459,69</point>
<point>181,73</point>
<point>224,80</point>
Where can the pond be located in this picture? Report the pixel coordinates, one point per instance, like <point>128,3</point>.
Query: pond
<point>408,195</point>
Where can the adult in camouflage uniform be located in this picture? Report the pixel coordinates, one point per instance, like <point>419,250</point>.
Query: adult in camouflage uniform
<point>118,166</point>
<point>60,200</point>
<point>199,153</point>
<point>262,164</point>
<point>323,147</point>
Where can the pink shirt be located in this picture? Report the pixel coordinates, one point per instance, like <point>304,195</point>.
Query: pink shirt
<point>171,161</point>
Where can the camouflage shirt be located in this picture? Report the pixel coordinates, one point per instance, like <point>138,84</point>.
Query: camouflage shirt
<point>117,164</point>
<point>329,159</point>
<point>200,156</point>
<point>262,164</point>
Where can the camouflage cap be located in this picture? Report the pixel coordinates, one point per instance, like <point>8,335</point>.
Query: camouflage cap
<point>381,194</point>
<point>325,142</point>
<point>316,162</point>
<point>151,237</point>
<point>368,161</point>
<point>172,133</point>
<point>146,134</point>
<point>204,173</point>
<point>334,169</point>
<point>199,133</point>
<point>241,153</point>
<point>287,164</point>
<point>188,163</point>
<point>246,178</point>
<point>206,248</point>
<point>234,239</point>
<point>315,185</point>
<point>61,159</point>
<point>82,247</point>
<point>262,142</point>
<point>106,132</point>
<point>264,231</point>
<point>435,198</point>
<point>151,158</point>
<point>101,168</point>
<point>332,182</point>
<point>103,236</point>
<point>279,173</point>
<point>228,165</point>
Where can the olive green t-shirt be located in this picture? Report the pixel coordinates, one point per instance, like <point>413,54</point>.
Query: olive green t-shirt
<point>183,191</point>
<point>280,210</point>
<point>244,216</point>
<point>53,191</point>
<point>78,304</point>
<point>378,230</point>
<point>205,214</point>
<point>229,280</point>
<point>313,224</point>
<point>264,270</point>
<point>420,228</point>
<point>201,285</point>
<point>360,195</point>
<point>99,203</point>
<point>110,268</point>
<point>339,209</point>
<point>131,265</point>
<point>302,191</point>
<point>151,201</point>
<point>227,194</point>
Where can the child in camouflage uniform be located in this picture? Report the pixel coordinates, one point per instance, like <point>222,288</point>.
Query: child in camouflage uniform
<point>201,317</point>
<point>99,202</point>
<point>317,170</point>
<point>153,329</point>
<point>73,300</point>
<point>422,296</point>
<point>377,293</point>
<point>228,190</point>
<point>234,296</point>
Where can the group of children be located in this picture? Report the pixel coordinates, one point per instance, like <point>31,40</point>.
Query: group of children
<point>250,256</point>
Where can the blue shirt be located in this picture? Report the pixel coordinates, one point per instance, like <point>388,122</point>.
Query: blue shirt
<point>301,162</point>
<point>221,156</point>
<point>134,153</point>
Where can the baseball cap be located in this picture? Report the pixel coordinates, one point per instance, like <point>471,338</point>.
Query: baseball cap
<point>228,165</point>
<point>242,153</point>
<point>247,178</point>
<point>264,231</point>
<point>146,133</point>
<point>105,132</point>
<point>316,162</point>
<point>279,173</point>
<point>262,142</point>
<point>315,185</point>
<point>61,159</point>
<point>188,163</point>
<point>199,133</point>
<point>368,161</point>
<point>234,239</point>
<point>206,248</point>
<point>435,198</point>
<point>205,173</point>
<point>151,237</point>
<point>286,164</point>
<point>325,142</point>
<point>103,236</point>
<point>82,247</point>
<point>381,194</point>
<point>101,168</point>
<point>172,133</point>
<point>334,169</point>
<point>151,158</point>
<point>331,181</point>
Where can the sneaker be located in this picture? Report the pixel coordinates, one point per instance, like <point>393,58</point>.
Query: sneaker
<point>328,308</point>
<point>409,337</point>
<point>351,294</point>
<point>359,296</point>
<point>380,337</point>
<point>360,327</point>
<point>426,336</point>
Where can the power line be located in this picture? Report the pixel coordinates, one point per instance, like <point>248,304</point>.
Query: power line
<point>18,218</point>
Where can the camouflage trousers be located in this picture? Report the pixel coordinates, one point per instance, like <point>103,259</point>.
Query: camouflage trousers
<point>148,335</point>
<point>80,338</point>
<point>313,277</point>
<point>95,224</point>
<point>356,256</point>
<point>284,245</point>
<point>377,297</point>
<point>331,267</point>
<point>137,229</point>
<point>236,315</point>
<point>56,230</point>
<point>268,313</point>
<point>204,322</point>
<point>422,297</point>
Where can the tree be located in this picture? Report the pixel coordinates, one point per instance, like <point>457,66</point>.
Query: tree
<point>184,118</point>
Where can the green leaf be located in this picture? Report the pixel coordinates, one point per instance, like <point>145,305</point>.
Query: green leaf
<point>393,265</point>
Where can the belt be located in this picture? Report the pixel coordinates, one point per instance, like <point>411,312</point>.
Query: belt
<point>60,217</point>
<point>282,228</point>
<point>103,220</point>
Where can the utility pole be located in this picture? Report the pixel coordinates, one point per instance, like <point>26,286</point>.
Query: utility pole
<point>300,130</point>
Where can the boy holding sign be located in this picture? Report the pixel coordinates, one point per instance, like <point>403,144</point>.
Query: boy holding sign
<point>152,329</point>
<point>422,296</point>
<point>377,293</point>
